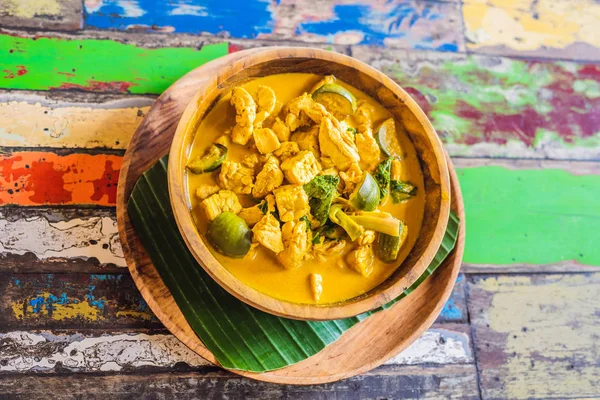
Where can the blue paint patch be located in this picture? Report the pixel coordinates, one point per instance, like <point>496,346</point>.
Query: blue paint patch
<point>451,311</point>
<point>376,25</point>
<point>92,299</point>
<point>241,18</point>
<point>105,277</point>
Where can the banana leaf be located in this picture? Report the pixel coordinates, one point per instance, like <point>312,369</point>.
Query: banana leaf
<point>241,337</point>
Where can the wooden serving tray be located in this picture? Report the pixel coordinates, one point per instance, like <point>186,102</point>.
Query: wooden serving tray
<point>363,347</point>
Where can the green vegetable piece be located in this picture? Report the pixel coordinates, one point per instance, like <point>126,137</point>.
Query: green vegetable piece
<point>230,235</point>
<point>214,157</point>
<point>366,195</point>
<point>336,98</point>
<point>307,221</point>
<point>321,192</point>
<point>264,207</point>
<point>387,139</point>
<point>377,221</point>
<point>353,130</point>
<point>388,246</point>
<point>338,216</point>
<point>382,176</point>
<point>401,191</point>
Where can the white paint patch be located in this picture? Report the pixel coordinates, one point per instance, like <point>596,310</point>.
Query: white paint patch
<point>96,237</point>
<point>131,8</point>
<point>92,6</point>
<point>188,9</point>
<point>437,346</point>
<point>28,351</point>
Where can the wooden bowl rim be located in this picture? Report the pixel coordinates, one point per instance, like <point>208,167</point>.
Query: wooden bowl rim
<point>236,287</point>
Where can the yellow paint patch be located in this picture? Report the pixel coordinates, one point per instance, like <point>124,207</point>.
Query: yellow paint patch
<point>549,326</point>
<point>31,8</point>
<point>82,309</point>
<point>146,316</point>
<point>528,25</point>
<point>34,125</point>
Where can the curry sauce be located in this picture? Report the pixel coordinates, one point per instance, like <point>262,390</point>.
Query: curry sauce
<point>279,126</point>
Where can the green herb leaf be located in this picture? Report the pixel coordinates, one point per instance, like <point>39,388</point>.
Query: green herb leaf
<point>401,191</point>
<point>321,192</point>
<point>382,176</point>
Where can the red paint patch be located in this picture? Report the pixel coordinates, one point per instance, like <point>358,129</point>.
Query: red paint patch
<point>107,184</point>
<point>40,178</point>
<point>233,48</point>
<point>419,98</point>
<point>97,86</point>
<point>9,74</point>
<point>590,71</point>
<point>22,70</point>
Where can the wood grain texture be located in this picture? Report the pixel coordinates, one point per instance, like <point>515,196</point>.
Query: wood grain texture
<point>404,23</point>
<point>37,121</point>
<point>32,178</point>
<point>59,240</point>
<point>403,382</point>
<point>64,15</point>
<point>323,366</point>
<point>57,301</point>
<point>536,336</point>
<point>489,106</point>
<point>547,28</point>
<point>138,351</point>
<point>371,82</point>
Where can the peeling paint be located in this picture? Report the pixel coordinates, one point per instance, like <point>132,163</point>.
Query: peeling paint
<point>96,237</point>
<point>38,178</point>
<point>537,335</point>
<point>548,27</point>
<point>33,351</point>
<point>33,125</point>
<point>82,64</point>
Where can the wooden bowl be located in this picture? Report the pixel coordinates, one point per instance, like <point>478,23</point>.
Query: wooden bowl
<point>277,60</point>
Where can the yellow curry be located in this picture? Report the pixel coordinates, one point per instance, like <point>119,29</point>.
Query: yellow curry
<point>305,188</point>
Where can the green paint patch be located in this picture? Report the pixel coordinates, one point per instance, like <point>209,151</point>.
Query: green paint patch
<point>530,216</point>
<point>96,65</point>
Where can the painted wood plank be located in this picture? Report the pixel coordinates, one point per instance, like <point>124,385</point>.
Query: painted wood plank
<point>531,183</point>
<point>74,301</point>
<point>31,64</point>
<point>403,23</point>
<point>547,28</point>
<point>536,336</point>
<point>41,178</point>
<point>487,106</point>
<point>59,240</point>
<point>408,382</point>
<point>530,212</point>
<point>37,121</point>
<point>49,352</point>
<point>42,14</point>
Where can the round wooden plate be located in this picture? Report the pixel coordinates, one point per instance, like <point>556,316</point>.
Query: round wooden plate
<point>363,347</point>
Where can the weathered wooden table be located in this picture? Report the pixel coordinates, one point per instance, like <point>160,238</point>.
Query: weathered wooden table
<point>513,88</point>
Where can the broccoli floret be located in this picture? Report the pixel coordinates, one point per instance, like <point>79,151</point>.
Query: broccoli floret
<point>382,176</point>
<point>401,191</point>
<point>321,192</point>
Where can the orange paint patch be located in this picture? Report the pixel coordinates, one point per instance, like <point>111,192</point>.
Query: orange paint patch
<point>35,178</point>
